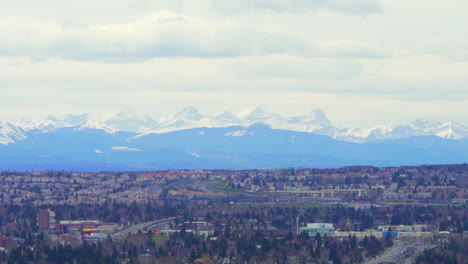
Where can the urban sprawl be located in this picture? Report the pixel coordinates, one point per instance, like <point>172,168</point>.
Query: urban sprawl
<point>345,215</point>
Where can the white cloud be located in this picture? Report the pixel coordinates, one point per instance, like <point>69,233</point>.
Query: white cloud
<point>401,58</point>
<point>164,34</point>
<point>409,78</point>
<point>297,6</point>
<point>428,68</point>
<point>288,67</point>
<point>351,49</point>
<point>161,34</point>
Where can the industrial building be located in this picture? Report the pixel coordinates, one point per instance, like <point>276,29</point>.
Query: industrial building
<point>402,228</point>
<point>318,228</point>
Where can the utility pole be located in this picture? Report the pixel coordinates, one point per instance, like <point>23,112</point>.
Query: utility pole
<point>297,225</point>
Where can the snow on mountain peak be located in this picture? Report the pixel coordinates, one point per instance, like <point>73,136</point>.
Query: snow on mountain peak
<point>314,121</point>
<point>76,119</point>
<point>449,130</point>
<point>127,120</point>
<point>227,116</point>
<point>42,126</point>
<point>190,113</point>
<point>422,123</point>
<point>98,125</point>
<point>126,113</point>
<point>258,115</point>
<point>250,111</point>
<point>10,133</point>
<point>317,114</point>
<point>187,117</point>
<point>53,118</point>
<point>314,117</point>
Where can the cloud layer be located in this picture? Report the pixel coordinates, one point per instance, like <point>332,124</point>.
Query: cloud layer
<point>164,34</point>
<point>297,6</point>
<point>165,54</point>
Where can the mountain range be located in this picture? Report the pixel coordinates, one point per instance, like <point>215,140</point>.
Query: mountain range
<point>314,121</point>
<point>251,139</point>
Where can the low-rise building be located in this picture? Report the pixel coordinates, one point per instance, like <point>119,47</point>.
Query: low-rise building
<point>46,219</point>
<point>318,228</point>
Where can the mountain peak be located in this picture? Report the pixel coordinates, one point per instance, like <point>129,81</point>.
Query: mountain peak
<point>53,118</point>
<point>317,111</point>
<point>317,114</point>
<point>98,125</point>
<point>127,120</point>
<point>314,117</point>
<point>249,111</point>
<point>190,113</point>
<point>76,119</point>
<point>255,114</point>
<point>314,121</point>
<point>126,113</point>
<point>10,133</point>
<point>227,116</point>
<point>225,113</point>
<point>448,129</point>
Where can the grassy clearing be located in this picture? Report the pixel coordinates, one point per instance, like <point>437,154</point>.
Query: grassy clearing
<point>410,202</point>
<point>226,188</point>
<point>272,204</point>
<point>159,238</point>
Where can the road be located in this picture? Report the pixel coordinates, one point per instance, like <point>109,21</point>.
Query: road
<point>398,254</point>
<point>141,226</point>
<point>389,255</point>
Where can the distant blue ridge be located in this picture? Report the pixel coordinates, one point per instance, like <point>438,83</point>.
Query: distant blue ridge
<point>259,147</point>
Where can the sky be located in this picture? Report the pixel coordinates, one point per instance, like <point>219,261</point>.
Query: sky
<point>364,62</point>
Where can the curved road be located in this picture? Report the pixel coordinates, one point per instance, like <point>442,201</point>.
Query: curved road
<point>134,228</point>
<point>398,254</point>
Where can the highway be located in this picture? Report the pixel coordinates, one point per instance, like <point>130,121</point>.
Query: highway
<point>141,226</point>
<point>398,254</point>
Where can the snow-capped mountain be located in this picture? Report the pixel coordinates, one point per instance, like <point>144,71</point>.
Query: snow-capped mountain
<point>362,135</point>
<point>257,115</point>
<point>314,117</point>
<point>255,146</point>
<point>42,126</point>
<point>95,124</point>
<point>76,119</point>
<point>10,133</point>
<point>128,120</point>
<point>449,130</point>
<point>190,117</point>
<point>184,118</point>
<point>227,117</point>
<point>314,121</point>
<point>251,139</point>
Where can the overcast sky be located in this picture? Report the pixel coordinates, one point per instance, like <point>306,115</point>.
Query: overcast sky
<point>365,62</point>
